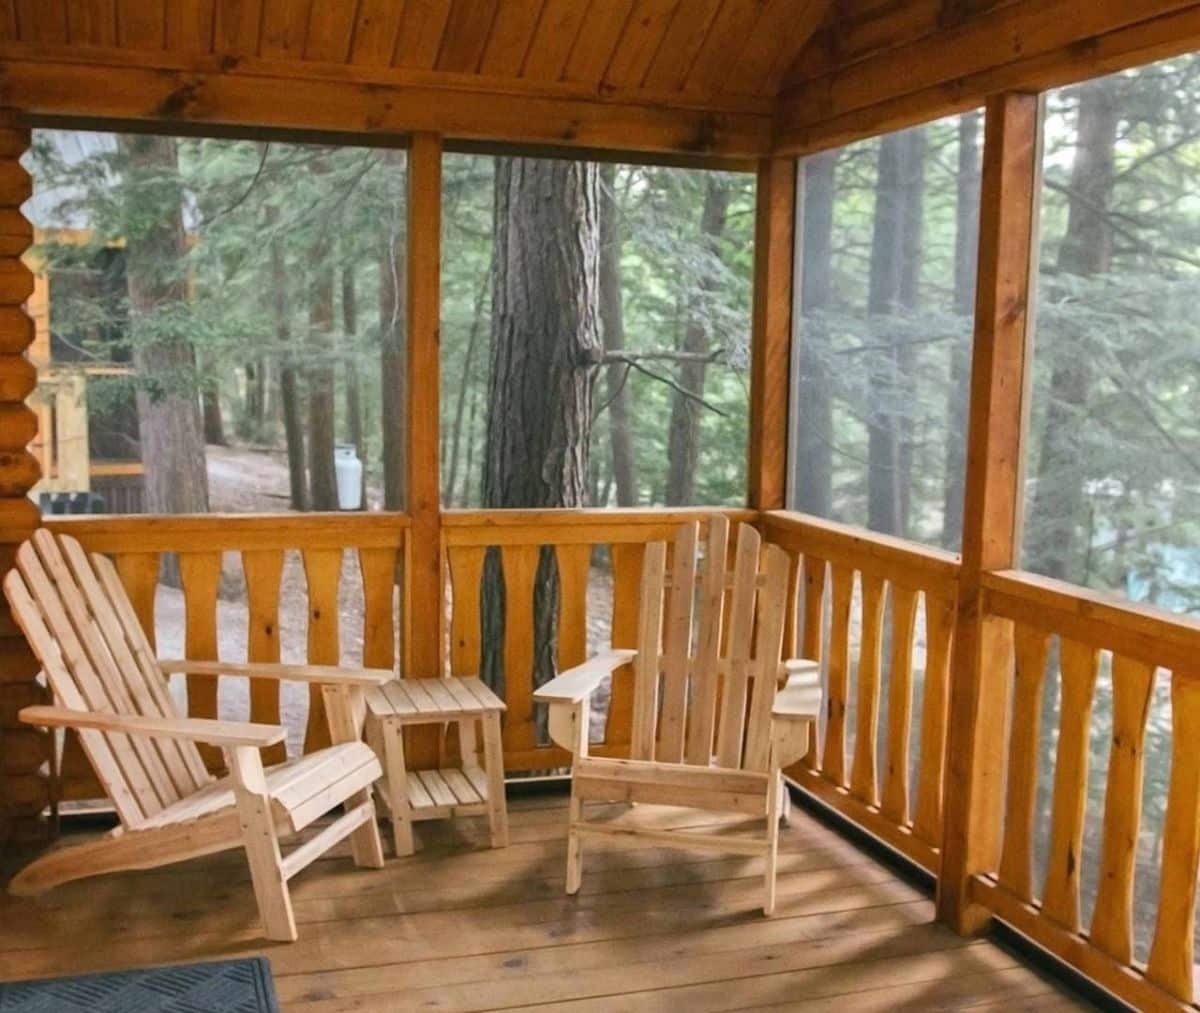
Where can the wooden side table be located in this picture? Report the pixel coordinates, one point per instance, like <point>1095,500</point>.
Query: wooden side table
<point>436,794</point>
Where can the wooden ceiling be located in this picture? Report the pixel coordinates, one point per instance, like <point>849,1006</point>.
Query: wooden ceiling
<point>699,48</point>
<point>718,79</point>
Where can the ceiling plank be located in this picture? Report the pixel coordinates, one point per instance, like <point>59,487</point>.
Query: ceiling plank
<point>92,22</point>
<point>42,21</point>
<point>236,28</point>
<point>558,28</point>
<point>376,31</point>
<point>141,24</point>
<point>421,33</point>
<point>330,31</point>
<point>639,42</point>
<point>466,35</point>
<point>512,32</point>
<point>284,28</point>
<point>818,115</point>
<point>190,26</point>
<point>8,20</point>
<point>780,34</point>
<point>729,34</point>
<point>77,86</point>
<point>680,46</point>
<point>598,37</point>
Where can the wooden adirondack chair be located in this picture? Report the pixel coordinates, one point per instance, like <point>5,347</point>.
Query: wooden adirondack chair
<point>109,687</point>
<point>717,713</point>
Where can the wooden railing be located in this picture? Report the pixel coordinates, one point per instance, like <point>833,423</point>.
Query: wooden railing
<point>849,574</point>
<point>519,537</point>
<point>1089,633</point>
<point>138,543</point>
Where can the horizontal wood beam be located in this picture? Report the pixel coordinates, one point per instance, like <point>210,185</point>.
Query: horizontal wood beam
<point>160,89</point>
<point>1028,45</point>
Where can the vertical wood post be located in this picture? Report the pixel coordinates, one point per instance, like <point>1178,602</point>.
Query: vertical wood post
<point>991,510</point>
<point>774,233</point>
<point>24,791</point>
<point>423,611</point>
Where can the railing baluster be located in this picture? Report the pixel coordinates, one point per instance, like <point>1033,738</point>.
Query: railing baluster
<point>1030,647</point>
<point>939,642</point>
<point>833,761</point>
<point>323,572</point>
<point>574,566</point>
<point>520,564</point>
<point>864,779</point>
<point>1112,920</point>
<point>263,570</point>
<point>201,576</point>
<point>894,804</point>
<point>139,573</point>
<point>1172,953</point>
<point>626,581</point>
<point>1060,898</point>
<point>466,578</point>
<point>812,635</point>
<point>378,570</point>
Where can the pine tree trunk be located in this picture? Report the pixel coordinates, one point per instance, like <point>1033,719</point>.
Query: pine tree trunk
<point>813,482</point>
<point>683,434</point>
<point>289,381</point>
<point>887,247</point>
<point>214,424</point>
<point>322,435</point>
<point>1086,250</point>
<point>966,250</point>
<point>612,319</point>
<point>912,242</point>
<point>354,412</point>
<point>392,350</point>
<point>546,346</point>
<point>168,402</point>
<point>465,390</point>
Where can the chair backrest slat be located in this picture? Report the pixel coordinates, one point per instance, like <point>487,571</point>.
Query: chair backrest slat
<point>646,665</point>
<point>715,677</point>
<point>102,589</point>
<point>101,749</point>
<point>82,627</point>
<point>702,713</point>
<point>678,645</point>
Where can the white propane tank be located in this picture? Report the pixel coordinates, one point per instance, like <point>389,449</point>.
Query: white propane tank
<point>349,476</point>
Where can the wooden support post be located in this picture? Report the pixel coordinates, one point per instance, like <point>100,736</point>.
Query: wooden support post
<point>424,614</point>
<point>774,231</point>
<point>24,790</point>
<point>980,669</point>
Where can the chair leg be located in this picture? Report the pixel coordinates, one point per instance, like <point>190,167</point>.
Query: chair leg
<point>574,844</point>
<point>365,844</point>
<point>774,807</point>
<point>493,760</point>
<point>397,786</point>
<point>262,845</point>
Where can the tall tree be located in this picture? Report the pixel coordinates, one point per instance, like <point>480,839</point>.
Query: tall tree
<point>168,403</point>
<point>612,318</point>
<point>546,347</point>
<point>322,434</point>
<point>813,481</point>
<point>1086,251</point>
<point>354,408</point>
<point>392,338</point>
<point>683,433</point>
<point>289,375</point>
<point>886,492</point>
<point>966,250</point>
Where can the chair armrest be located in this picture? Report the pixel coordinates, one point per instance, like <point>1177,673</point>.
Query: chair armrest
<point>800,699</point>
<point>227,734</point>
<point>329,675</point>
<point>580,682</point>
<point>794,668</point>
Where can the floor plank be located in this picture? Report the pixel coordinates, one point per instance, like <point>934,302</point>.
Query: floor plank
<point>461,928</point>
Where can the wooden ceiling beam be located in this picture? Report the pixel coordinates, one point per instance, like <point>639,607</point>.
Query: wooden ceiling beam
<point>1031,44</point>
<point>462,107</point>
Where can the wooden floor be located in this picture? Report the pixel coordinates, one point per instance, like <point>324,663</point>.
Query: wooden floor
<point>459,927</point>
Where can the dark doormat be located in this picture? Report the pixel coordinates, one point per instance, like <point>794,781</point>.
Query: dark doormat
<point>222,986</point>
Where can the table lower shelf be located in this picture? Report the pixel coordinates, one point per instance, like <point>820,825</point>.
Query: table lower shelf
<point>450,791</point>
